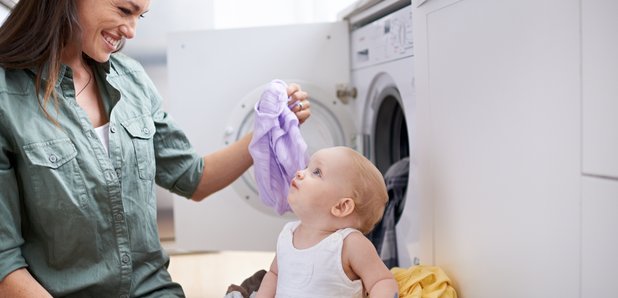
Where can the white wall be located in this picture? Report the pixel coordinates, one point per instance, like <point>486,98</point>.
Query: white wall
<point>246,13</point>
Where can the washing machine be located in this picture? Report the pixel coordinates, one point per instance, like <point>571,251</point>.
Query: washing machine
<point>358,72</point>
<point>382,68</point>
<point>216,77</point>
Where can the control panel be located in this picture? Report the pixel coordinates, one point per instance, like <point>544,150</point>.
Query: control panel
<point>385,39</point>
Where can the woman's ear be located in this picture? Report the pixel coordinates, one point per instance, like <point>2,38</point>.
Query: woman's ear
<point>343,208</point>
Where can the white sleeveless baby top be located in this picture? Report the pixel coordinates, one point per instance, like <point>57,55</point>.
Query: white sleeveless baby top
<point>316,271</point>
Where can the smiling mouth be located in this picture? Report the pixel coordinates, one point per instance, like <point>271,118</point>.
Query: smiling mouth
<point>111,41</point>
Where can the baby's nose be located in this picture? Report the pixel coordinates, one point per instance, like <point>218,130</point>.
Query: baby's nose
<point>299,174</point>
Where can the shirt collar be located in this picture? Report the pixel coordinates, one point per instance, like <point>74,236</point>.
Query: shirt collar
<point>65,70</point>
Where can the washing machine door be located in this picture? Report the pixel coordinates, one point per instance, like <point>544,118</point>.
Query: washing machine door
<point>215,78</point>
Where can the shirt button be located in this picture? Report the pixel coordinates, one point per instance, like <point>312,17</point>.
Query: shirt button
<point>125,259</point>
<point>146,130</point>
<point>112,129</point>
<point>119,217</point>
<point>53,158</point>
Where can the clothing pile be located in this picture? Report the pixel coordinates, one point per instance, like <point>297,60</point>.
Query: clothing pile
<point>248,288</point>
<point>423,282</point>
<point>383,235</point>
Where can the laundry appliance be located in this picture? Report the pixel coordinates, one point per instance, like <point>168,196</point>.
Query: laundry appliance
<point>216,77</point>
<point>358,73</point>
<point>382,67</point>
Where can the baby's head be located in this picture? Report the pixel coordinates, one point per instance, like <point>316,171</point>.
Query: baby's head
<point>340,182</point>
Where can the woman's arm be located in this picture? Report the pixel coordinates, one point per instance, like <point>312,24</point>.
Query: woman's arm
<point>20,283</point>
<point>223,167</point>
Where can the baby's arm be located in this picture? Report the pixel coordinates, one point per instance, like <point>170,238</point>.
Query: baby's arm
<point>365,262</point>
<point>268,287</point>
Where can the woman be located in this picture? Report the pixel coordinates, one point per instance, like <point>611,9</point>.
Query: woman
<point>83,139</point>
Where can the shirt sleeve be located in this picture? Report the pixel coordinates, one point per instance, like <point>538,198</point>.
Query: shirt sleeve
<point>10,213</point>
<point>179,167</point>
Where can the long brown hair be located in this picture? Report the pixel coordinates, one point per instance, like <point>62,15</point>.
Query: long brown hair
<point>33,36</point>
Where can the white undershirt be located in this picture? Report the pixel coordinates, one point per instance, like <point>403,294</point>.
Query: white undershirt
<point>103,133</point>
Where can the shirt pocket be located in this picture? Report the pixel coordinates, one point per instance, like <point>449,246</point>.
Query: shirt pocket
<point>141,130</point>
<point>51,154</point>
<point>54,172</point>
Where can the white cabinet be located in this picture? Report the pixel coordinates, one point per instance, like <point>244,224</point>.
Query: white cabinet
<point>498,99</point>
<point>599,237</point>
<point>600,87</point>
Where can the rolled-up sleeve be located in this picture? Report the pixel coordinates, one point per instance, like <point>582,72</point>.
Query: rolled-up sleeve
<point>10,216</point>
<point>179,167</point>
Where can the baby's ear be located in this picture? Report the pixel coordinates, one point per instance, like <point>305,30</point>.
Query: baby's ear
<point>343,207</point>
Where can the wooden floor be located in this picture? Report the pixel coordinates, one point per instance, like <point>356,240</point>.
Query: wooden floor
<point>209,274</point>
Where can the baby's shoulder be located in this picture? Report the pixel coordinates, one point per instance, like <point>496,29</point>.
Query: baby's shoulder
<point>356,243</point>
<point>356,237</point>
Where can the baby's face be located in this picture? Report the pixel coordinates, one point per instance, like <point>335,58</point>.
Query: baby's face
<point>326,179</point>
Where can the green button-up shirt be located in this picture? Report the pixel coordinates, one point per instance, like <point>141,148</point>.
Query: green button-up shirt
<point>81,220</point>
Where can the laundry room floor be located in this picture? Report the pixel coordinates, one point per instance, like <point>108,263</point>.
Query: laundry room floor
<point>208,274</point>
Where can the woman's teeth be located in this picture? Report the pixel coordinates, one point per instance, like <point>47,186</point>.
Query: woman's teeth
<point>112,41</point>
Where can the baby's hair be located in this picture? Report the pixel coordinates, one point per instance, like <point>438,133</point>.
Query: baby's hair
<point>368,191</point>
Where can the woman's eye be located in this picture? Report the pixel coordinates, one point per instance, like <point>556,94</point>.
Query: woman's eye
<point>317,172</point>
<point>125,10</point>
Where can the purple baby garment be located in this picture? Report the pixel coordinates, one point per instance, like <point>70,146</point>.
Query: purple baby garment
<point>277,147</point>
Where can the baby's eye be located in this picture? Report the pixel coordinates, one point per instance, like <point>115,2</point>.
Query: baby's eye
<point>317,172</point>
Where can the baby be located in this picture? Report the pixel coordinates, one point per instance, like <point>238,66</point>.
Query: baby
<point>338,198</point>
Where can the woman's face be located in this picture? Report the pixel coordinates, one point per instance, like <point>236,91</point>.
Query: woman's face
<point>105,23</point>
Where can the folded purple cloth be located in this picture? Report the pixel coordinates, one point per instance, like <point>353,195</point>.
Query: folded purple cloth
<point>278,149</point>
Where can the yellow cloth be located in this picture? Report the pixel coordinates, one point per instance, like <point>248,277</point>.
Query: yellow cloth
<point>423,282</point>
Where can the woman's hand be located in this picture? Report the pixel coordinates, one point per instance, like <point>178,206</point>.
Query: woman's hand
<point>299,101</point>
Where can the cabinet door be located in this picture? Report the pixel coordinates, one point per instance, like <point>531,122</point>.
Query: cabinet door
<point>599,237</point>
<point>499,105</point>
<point>600,89</point>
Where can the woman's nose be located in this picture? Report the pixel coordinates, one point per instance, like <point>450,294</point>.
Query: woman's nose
<point>128,30</point>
